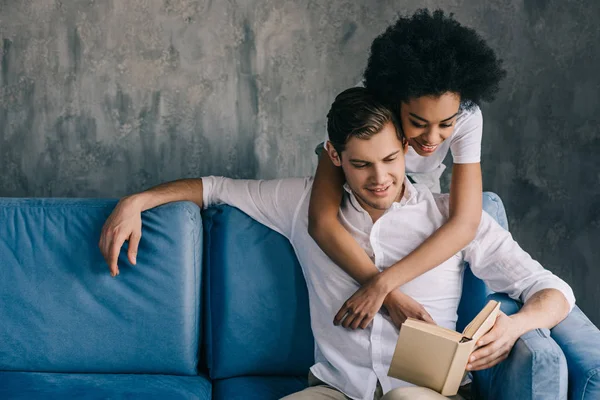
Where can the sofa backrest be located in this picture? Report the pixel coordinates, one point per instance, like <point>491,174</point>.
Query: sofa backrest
<point>257,319</point>
<point>61,311</point>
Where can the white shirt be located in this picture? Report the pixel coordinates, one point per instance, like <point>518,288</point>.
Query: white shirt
<point>354,360</point>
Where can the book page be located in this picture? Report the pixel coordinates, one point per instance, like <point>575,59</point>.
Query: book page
<point>434,329</point>
<point>483,322</point>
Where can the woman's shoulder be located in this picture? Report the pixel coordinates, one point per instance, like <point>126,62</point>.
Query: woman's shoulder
<point>471,114</point>
<point>468,123</point>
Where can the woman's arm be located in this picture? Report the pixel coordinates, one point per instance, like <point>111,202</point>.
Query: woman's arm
<point>327,231</point>
<point>465,214</point>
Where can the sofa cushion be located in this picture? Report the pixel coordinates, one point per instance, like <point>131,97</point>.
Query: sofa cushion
<point>579,339</point>
<point>33,385</point>
<point>63,312</point>
<point>257,387</point>
<point>257,319</point>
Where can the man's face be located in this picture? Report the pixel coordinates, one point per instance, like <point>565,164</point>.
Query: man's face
<point>428,121</point>
<point>374,169</point>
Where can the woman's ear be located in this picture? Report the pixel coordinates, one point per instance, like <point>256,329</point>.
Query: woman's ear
<point>333,155</point>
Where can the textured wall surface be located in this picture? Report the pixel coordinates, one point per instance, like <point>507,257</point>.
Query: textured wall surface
<point>102,98</point>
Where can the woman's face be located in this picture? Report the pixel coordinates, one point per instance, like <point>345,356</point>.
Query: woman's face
<point>427,121</point>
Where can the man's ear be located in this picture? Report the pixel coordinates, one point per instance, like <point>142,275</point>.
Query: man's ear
<point>405,144</point>
<point>333,155</point>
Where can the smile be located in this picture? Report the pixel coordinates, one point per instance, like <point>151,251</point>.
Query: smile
<point>380,191</point>
<point>426,148</point>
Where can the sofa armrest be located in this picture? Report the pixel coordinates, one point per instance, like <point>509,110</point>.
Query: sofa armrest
<point>579,340</point>
<point>535,369</point>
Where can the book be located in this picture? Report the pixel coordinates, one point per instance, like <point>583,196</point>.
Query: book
<point>435,357</point>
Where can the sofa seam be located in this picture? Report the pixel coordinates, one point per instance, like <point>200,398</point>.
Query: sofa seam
<point>591,374</point>
<point>196,284</point>
<point>208,330</point>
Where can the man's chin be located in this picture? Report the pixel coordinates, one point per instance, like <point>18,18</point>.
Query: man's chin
<point>379,204</point>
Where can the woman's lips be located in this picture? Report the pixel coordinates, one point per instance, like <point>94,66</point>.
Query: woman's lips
<point>426,148</point>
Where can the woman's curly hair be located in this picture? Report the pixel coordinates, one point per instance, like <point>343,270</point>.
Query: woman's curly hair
<point>431,54</point>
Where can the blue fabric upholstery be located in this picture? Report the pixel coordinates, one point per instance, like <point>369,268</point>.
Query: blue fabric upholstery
<point>258,387</point>
<point>63,312</point>
<point>49,386</point>
<point>257,321</point>
<point>579,340</point>
<point>69,330</point>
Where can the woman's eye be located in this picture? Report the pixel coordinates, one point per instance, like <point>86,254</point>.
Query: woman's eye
<point>390,159</point>
<point>416,124</point>
<point>445,125</point>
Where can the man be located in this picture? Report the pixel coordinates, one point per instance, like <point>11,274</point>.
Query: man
<point>389,217</point>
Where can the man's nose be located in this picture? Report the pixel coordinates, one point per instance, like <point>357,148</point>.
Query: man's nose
<point>379,173</point>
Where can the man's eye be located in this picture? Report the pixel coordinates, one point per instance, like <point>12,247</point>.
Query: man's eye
<point>390,159</point>
<point>416,124</point>
<point>445,125</point>
<point>359,166</point>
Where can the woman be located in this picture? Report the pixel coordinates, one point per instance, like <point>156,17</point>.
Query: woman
<point>432,72</point>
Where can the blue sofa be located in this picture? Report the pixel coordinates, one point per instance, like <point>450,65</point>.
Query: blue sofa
<point>216,308</point>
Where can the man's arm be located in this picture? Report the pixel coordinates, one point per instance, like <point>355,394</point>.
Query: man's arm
<point>497,259</point>
<point>544,309</point>
<point>272,203</point>
<point>125,222</point>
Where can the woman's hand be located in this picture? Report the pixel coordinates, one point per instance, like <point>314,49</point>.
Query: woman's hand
<point>401,306</point>
<point>360,309</point>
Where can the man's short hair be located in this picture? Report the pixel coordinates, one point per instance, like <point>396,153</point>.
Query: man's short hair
<point>356,113</point>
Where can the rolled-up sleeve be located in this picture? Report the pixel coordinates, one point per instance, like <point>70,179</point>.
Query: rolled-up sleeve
<point>496,258</point>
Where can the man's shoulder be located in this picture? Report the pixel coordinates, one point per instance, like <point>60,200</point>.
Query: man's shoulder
<point>423,192</point>
<point>440,200</point>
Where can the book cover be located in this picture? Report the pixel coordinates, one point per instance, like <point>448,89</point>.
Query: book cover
<point>435,357</point>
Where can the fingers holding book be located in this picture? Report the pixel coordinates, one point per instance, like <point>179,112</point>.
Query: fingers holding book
<point>495,346</point>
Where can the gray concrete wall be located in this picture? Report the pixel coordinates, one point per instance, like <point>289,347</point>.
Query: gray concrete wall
<point>102,98</point>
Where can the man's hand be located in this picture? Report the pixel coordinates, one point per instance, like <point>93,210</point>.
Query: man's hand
<point>495,346</point>
<point>401,306</point>
<point>124,223</point>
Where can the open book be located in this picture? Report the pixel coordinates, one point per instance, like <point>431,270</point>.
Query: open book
<point>435,357</point>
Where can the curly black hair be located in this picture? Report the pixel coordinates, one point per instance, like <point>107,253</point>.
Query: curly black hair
<point>429,54</point>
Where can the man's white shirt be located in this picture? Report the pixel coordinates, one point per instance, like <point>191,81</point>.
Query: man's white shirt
<point>354,360</point>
